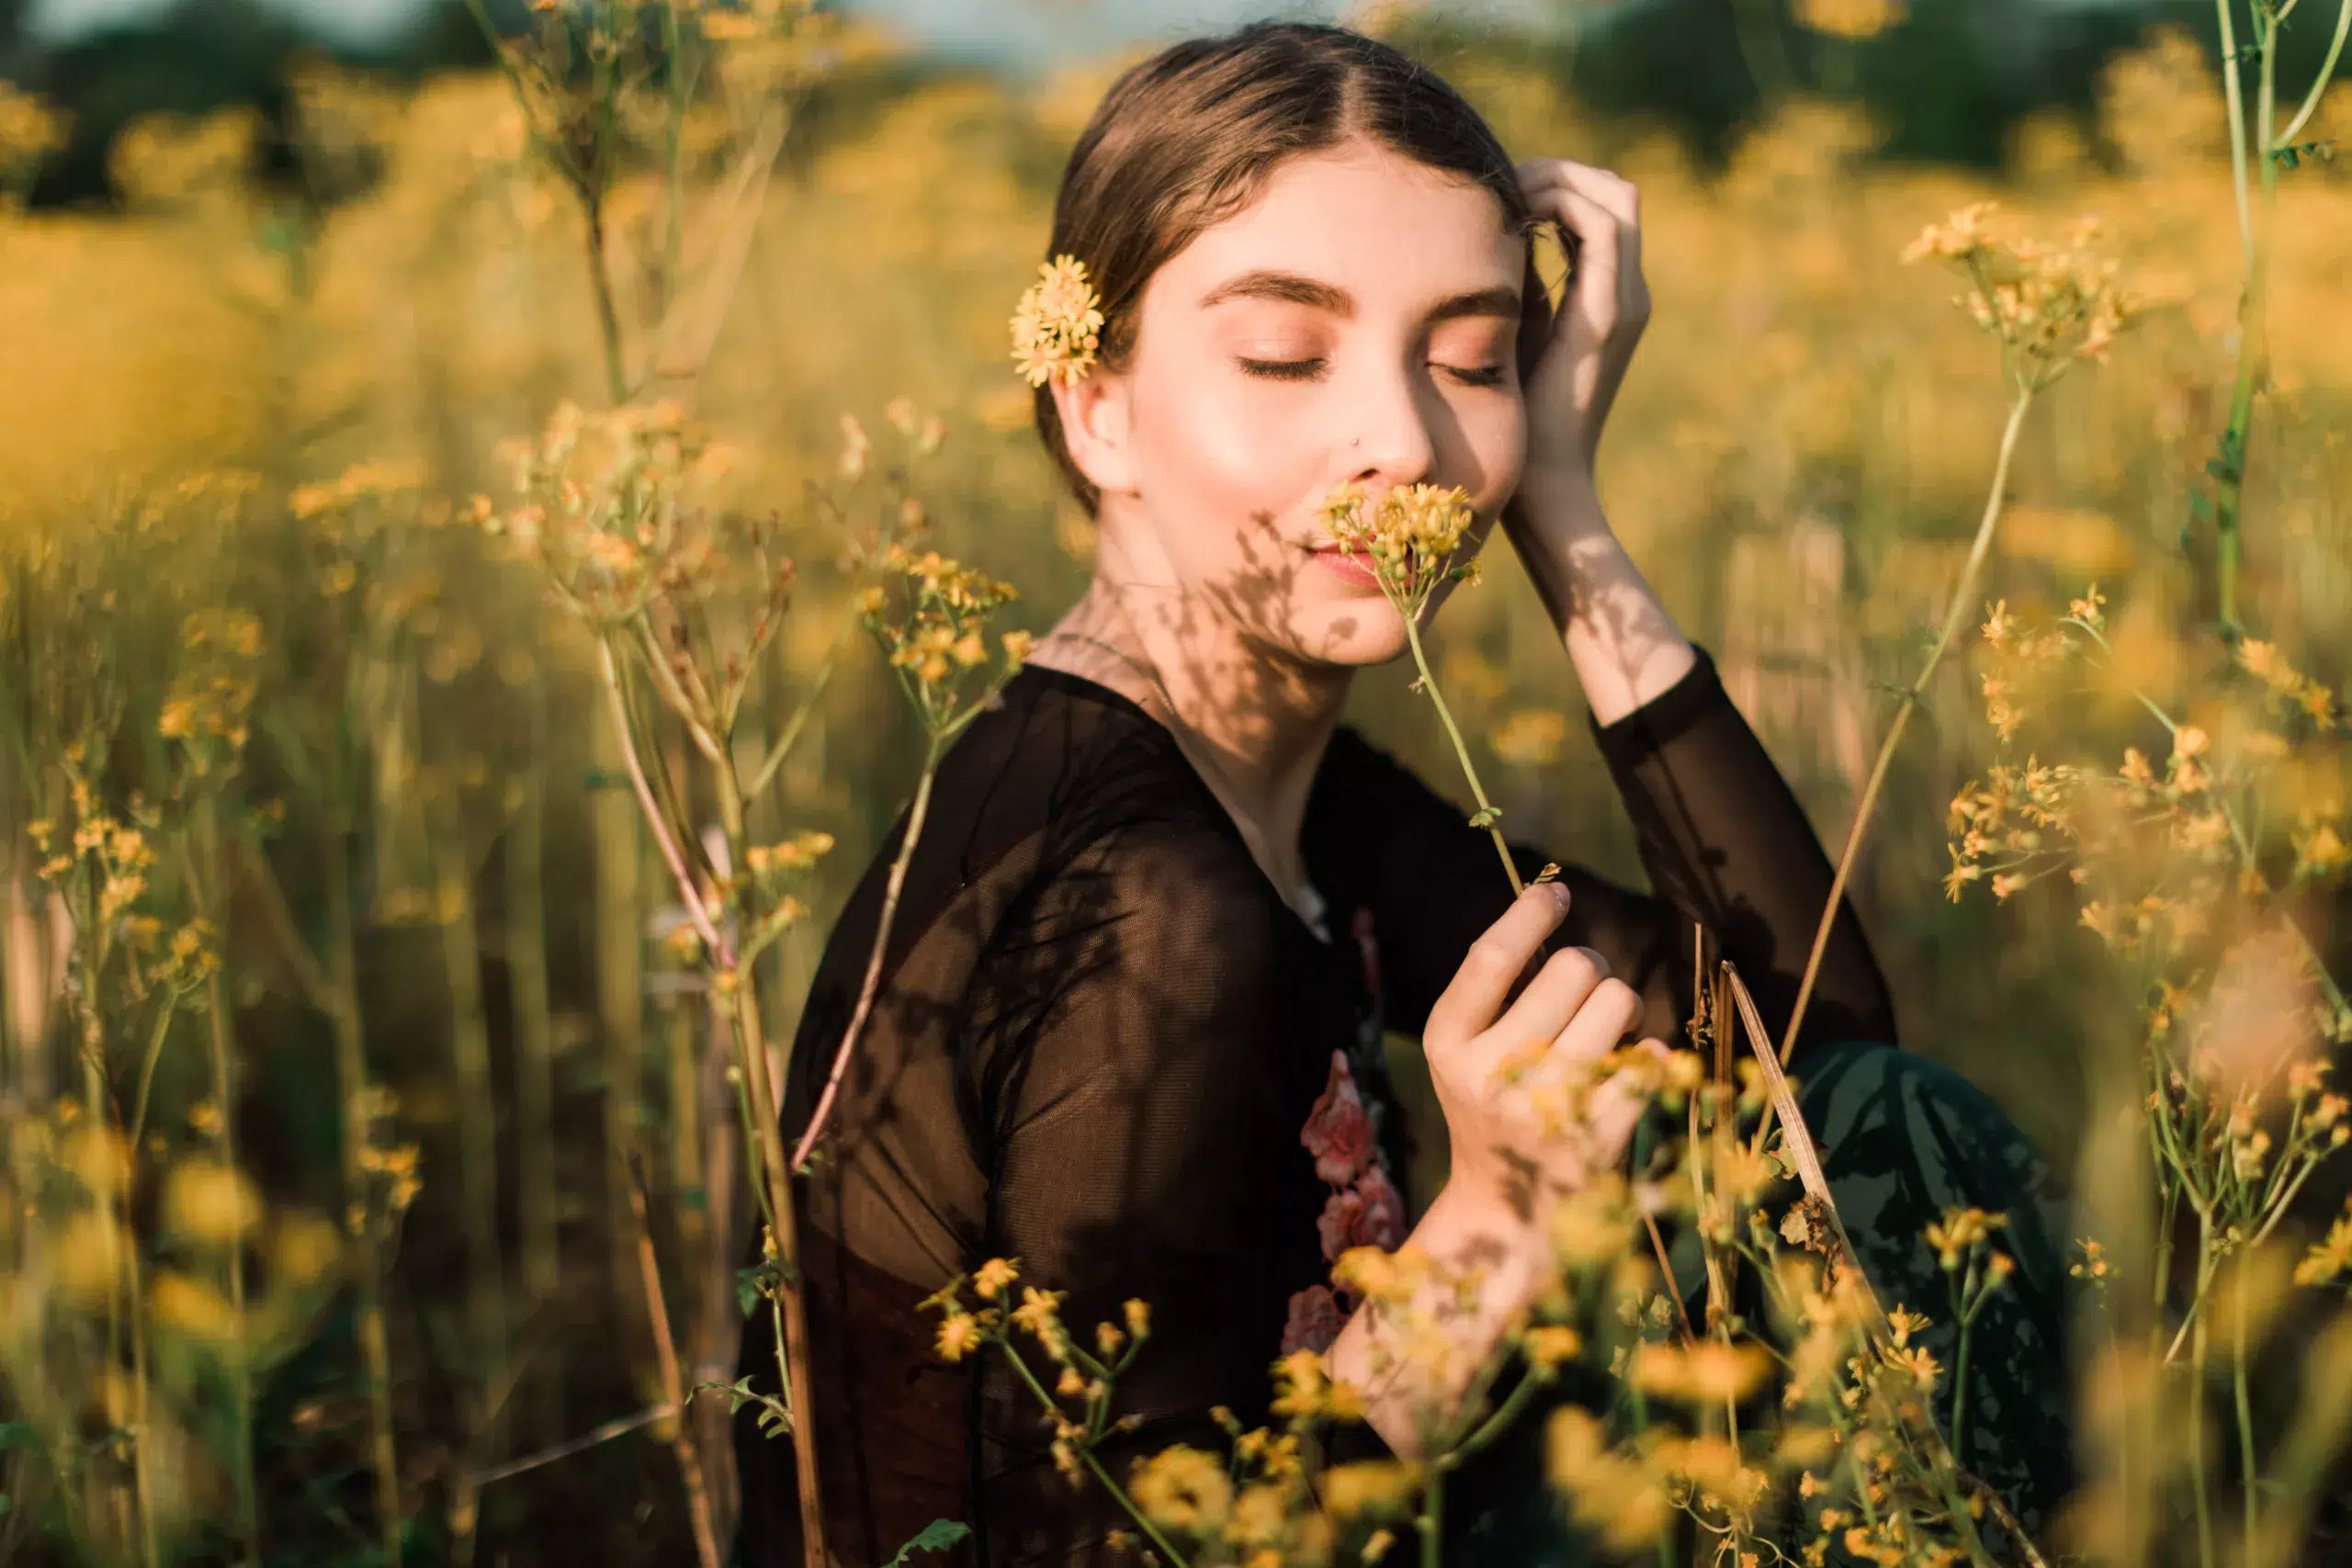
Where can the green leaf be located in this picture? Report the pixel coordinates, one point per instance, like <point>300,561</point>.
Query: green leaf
<point>18,1435</point>
<point>1486,817</point>
<point>937,1536</point>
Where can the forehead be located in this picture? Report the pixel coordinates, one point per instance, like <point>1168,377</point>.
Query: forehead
<point>1358,214</point>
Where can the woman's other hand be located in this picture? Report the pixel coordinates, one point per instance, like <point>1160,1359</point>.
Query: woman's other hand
<point>1580,359</point>
<point>1569,1016</point>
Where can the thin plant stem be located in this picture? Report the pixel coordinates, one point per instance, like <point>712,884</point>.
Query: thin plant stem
<point>1498,1421</point>
<point>1432,1522</point>
<point>526,959</point>
<point>2320,84</point>
<point>1462,752</point>
<point>223,1060</point>
<point>874,959</point>
<point>673,1390</point>
<point>771,1176</point>
<point>2249,1476</point>
<point>351,1072</point>
<point>478,1140</point>
<point>1961,597</point>
<point>142,1458</point>
<point>1118,1492</point>
<point>2196,1469</point>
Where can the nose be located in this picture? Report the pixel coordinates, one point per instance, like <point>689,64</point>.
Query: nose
<point>1390,439</point>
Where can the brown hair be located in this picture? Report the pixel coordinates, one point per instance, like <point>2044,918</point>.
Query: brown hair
<point>1185,140</point>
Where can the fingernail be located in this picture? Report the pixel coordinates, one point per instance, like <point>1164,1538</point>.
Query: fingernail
<point>1559,895</point>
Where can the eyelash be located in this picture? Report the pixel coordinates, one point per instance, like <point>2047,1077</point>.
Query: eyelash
<point>1304,370</point>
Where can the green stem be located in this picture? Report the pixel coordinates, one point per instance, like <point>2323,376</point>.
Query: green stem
<point>351,1071</point>
<point>1432,1522</point>
<point>2249,1477</point>
<point>1962,599</point>
<point>209,886</point>
<point>872,982</point>
<point>1960,1392</point>
<point>2326,74</point>
<point>1498,1421</point>
<point>2197,1402</point>
<point>1462,752</point>
<point>1118,1492</point>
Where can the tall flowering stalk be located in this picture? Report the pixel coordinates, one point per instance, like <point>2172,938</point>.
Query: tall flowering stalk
<point>684,601</point>
<point>930,616</point>
<point>2274,151</point>
<point>1410,538</point>
<point>2049,307</point>
<point>2184,866</point>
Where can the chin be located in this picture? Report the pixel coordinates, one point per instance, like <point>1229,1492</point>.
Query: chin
<point>1354,632</point>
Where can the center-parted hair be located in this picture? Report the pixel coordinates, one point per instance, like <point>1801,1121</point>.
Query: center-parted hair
<point>1186,139</point>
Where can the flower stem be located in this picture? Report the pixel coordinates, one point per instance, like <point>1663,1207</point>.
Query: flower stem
<point>1432,1522</point>
<point>872,983</point>
<point>210,896</point>
<point>1959,1391</point>
<point>1961,599</point>
<point>1462,752</point>
<point>2249,1475</point>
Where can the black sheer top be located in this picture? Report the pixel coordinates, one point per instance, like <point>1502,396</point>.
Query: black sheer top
<point>1100,1033</point>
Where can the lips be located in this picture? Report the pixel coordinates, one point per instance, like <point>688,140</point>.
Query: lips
<point>1351,569</point>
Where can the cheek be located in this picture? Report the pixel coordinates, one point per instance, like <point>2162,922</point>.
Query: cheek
<point>1219,459</point>
<point>1494,437</point>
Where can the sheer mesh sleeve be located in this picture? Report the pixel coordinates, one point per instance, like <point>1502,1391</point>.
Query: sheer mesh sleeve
<point>1723,838</point>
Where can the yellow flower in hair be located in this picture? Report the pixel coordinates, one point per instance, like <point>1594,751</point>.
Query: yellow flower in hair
<point>1058,325</point>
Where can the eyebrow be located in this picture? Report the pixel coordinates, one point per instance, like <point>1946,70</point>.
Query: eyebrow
<point>1264,283</point>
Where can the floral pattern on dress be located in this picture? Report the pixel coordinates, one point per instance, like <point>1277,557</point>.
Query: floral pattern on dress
<point>1364,1208</point>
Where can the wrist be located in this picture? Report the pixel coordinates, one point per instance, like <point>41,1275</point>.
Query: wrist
<point>1560,502</point>
<point>1474,1223</point>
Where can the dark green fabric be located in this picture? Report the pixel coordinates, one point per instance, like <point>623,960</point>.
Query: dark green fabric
<point>1902,1139</point>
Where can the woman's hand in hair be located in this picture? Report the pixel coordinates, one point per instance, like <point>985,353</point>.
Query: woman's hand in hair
<point>1572,364</point>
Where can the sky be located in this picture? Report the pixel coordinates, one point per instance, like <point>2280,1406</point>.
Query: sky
<point>1025,29</point>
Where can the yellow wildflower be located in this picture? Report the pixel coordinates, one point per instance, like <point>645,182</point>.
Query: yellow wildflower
<point>1057,331</point>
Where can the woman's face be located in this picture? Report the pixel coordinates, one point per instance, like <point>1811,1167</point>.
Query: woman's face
<point>1356,322</point>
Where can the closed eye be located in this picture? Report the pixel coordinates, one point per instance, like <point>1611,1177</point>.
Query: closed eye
<point>1309,369</point>
<point>1284,369</point>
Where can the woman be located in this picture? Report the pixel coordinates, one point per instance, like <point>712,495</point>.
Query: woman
<point>1167,903</point>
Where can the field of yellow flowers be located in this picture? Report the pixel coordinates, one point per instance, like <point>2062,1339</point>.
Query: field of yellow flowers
<point>375,1103</point>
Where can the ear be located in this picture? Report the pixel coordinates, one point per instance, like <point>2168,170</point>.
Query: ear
<point>1096,423</point>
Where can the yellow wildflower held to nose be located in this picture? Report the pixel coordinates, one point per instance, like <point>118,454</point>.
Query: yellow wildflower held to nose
<point>1408,537</point>
<point>1056,330</point>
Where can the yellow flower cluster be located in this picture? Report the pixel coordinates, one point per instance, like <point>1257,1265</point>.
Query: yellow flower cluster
<point>1409,537</point>
<point>930,617</point>
<point>2051,305</point>
<point>1084,1377</point>
<point>1058,327</point>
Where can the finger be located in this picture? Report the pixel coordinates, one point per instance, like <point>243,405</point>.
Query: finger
<point>1617,1109</point>
<point>1551,999</point>
<point>1476,993</point>
<point>1608,1015</point>
<point>1620,197</point>
<point>1600,262</point>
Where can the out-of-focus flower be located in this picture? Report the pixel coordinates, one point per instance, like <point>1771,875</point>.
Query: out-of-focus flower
<point>2051,305</point>
<point>1850,19</point>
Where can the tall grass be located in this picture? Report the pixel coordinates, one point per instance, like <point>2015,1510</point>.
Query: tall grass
<point>328,1119</point>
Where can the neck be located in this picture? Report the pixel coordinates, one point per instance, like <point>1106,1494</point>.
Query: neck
<point>1254,723</point>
